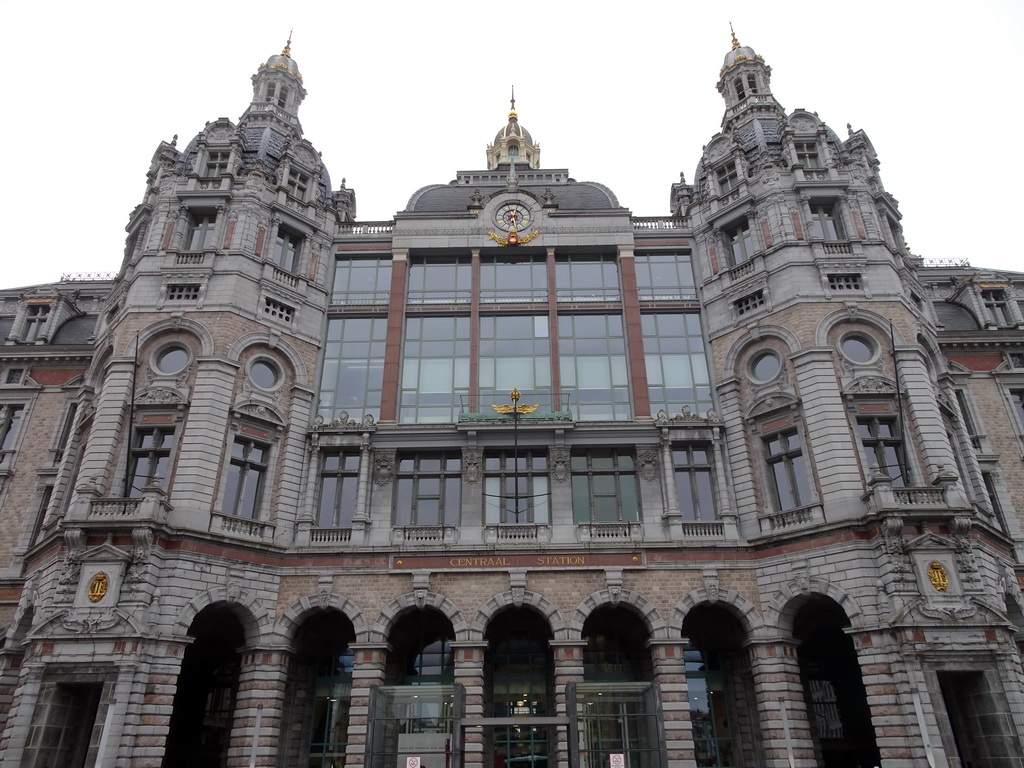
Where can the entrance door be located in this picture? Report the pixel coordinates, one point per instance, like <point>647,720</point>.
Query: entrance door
<point>518,746</point>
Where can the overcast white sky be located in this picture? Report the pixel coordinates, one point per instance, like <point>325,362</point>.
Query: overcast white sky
<point>403,94</point>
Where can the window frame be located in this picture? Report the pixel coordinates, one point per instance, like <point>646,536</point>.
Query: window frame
<point>790,464</point>
<point>12,421</point>
<point>533,481</point>
<point>739,237</point>
<point>235,492</point>
<point>287,249</point>
<point>693,505</point>
<point>202,226</point>
<point>877,449</point>
<point>153,456</point>
<point>585,479</point>
<point>344,496</point>
<point>826,222</point>
<point>410,472</point>
<point>727,177</point>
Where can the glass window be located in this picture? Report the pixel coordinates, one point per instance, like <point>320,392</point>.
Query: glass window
<point>709,711</point>
<point>507,281</point>
<point>10,425</point>
<point>882,443</point>
<point>246,474</point>
<point>1017,400</point>
<point>587,277</point>
<point>339,480</point>
<point>287,247</point>
<point>353,366</point>
<point>36,319</point>
<point>858,348</point>
<point>172,358</point>
<point>765,366</point>
<point>440,280</point>
<point>787,470</point>
<point>677,368</point>
<point>331,704</point>
<point>604,488</point>
<point>665,276</point>
<point>151,458</point>
<point>593,366</point>
<point>428,489</point>
<point>265,374</point>
<point>740,242</point>
<point>361,281</point>
<point>807,154</point>
<point>617,719</point>
<point>435,369</point>
<point>826,224</point>
<point>728,178</point>
<point>694,482</point>
<point>217,162</point>
<point>515,351</point>
<point>200,232</point>
<point>298,183</point>
<point>996,307</point>
<point>516,487</point>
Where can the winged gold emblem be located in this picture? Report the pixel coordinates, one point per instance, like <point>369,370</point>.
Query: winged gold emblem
<point>513,238</point>
<point>515,407</point>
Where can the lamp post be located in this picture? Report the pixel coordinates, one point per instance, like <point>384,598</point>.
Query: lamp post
<point>516,410</point>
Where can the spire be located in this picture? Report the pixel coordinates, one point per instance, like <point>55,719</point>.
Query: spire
<point>513,144</point>
<point>277,92</point>
<point>735,42</point>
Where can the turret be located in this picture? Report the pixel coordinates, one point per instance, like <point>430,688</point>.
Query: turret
<point>513,143</point>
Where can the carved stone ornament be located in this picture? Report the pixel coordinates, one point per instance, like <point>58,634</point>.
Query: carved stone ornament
<point>872,385</point>
<point>74,543</point>
<point>648,461</point>
<point>559,464</point>
<point>98,587</point>
<point>383,468</point>
<point>323,594</point>
<point>83,624</point>
<point>471,464</point>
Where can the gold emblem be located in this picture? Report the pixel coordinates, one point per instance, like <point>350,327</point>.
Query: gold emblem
<point>98,587</point>
<point>938,576</point>
<point>513,238</point>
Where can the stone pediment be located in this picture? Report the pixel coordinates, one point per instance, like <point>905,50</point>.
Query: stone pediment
<point>776,401</point>
<point>871,385</point>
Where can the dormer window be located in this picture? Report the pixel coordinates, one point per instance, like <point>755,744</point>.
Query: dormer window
<point>36,319</point>
<point>298,183</point>
<point>807,154</point>
<point>217,163</point>
<point>995,307</point>
<point>728,178</point>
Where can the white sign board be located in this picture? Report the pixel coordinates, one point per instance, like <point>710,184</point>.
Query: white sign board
<point>412,762</point>
<point>616,761</point>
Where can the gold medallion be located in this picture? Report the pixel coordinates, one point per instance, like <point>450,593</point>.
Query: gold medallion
<point>938,576</point>
<point>98,587</point>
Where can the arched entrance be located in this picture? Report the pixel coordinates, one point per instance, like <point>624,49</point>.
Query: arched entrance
<point>519,685</point>
<point>833,687</point>
<point>204,703</point>
<point>319,692</point>
<point>718,680</point>
<point>414,713</point>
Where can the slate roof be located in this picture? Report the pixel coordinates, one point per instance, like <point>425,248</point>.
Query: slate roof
<point>571,196</point>
<point>77,330</point>
<point>955,317</point>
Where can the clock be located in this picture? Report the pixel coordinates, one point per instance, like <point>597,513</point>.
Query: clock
<point>513,216</point>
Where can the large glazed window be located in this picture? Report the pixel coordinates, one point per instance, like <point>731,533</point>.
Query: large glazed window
<point>361,281</point>
<point>604,487</point>
<point>587,278</point>
<point>339,480</point>
<point>353,366</point>
<point>515,351</point>
<point>593,365</point>
<point>665,276</point>
<point>521,281</point>
<point>428,489</point>
<point>694,482</point>
<point>516,487</point>
<point>441,280</point>
<point>435,368</point>
<point>677,368</point>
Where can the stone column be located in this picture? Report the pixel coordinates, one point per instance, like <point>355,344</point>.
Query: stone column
<point>367,674</point>
<point>259,708</point>
<point>670,675</point>
<point>469,672</point>
<point>781,709</point>
<point>155,702</point>
<point>568,657</point>
<point>19,719</point>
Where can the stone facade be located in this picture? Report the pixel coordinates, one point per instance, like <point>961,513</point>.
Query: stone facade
<point>269,502</point>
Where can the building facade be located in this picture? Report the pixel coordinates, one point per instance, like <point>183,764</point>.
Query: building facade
<point>517,479</point>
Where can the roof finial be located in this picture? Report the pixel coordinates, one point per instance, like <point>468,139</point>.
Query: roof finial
<point>288,46</point>
<point>512,112</point>
<point>735,42</point>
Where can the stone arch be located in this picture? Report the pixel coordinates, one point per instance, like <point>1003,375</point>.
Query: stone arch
<point>247,340</point>
<point>756,336</point>
<point>117,623</point>
<point>381,629</point>
<point>547,609</point>
<point>304,607</point>
<point>657,628</point>
<point>791,596</point>
<point>147,334</point>
<point>855,314</point>
<point>256,620</point>
<point>729,599</point>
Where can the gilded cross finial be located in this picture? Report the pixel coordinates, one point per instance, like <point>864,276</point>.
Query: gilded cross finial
<point>288,46</point>
<point>735,42</point>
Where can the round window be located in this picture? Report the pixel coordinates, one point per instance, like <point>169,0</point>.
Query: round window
<point>264,374</point>
<point>172,359</point>
<point>765,366</point>
<point>857,348</point>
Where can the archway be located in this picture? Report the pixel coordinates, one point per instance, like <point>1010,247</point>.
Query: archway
<point>204,703</point>
<point>833,687</point>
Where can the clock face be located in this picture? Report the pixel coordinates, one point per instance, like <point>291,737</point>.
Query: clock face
<point>513,216</point>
